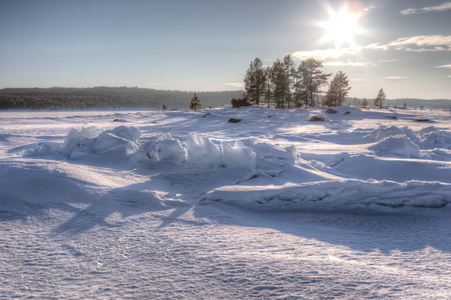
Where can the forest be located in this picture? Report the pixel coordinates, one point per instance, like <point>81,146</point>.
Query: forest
<point>60,98</point>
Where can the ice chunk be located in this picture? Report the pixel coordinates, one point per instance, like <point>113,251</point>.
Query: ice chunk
<point>128,133</point>
<point>76,139</point>
<point>441,137</point>
<point>201,151</point>
<point>383,132</point>
<point>108,142</point>
<point>398,145</point>
<point>167,149</point>
<point>238,155</point>
<point>120,137</point>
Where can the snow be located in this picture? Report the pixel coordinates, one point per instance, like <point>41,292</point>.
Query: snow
<point>175,204</point>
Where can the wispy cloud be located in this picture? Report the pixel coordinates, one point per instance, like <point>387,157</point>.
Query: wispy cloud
<point>444,66</point>
<point>349,64</point>
<point>421,43</point>
<point>386,61</point>
<point>235,84</point>
<point>437,8</point>
<point>395,77</point>
<point>325,53</point>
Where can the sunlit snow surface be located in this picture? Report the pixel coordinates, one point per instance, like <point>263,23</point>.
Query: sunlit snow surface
<point>184,205</point>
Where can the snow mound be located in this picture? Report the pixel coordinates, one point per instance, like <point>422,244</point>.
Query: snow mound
<point>398,145</point>
<point>336,194</point>
<point>202,152</point>
<point>437,154</point>
<point>428,129</point>
<point>238,155</point>
<point>383,132</point>
<point>167,149</point>
<point>441,138</point>
<point>93,140</point>
<point>76,139</point>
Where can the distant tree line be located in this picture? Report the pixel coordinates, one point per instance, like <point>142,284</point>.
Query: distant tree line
<point>105,98</point>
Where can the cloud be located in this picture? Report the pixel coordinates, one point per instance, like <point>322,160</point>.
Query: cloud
<point>444,66</point>
<point>154,84</point>
<point>349,64</point>
<point>325,53</point>
<point>386,61</point>
<point>235,84</point>
<point>395,77</point>
<point>421,43</point>
<point>437,8</point>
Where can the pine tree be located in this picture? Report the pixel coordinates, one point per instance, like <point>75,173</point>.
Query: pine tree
<point>405,105</point>
<point>255,81</point>
<point>289,65</point>
<point>309,78</point>
<point>356,102</point>
<point>195,103</point>
<point>268,92</point>
<point>338,90</point>
<point>378,102</point>
<point>364,103</point>
<point>280,82</point>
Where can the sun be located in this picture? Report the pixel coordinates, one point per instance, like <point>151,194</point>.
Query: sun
<point>342,27</point>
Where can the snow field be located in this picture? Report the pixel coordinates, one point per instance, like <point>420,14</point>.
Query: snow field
<point>183,205</point>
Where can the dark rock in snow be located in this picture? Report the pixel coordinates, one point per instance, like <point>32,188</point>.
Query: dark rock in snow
<point>234,120</point>
<point>422,120</point>
<point>317,119</point>
<point>331,111</point>
<point>347,113</point>
<point>391,117</point>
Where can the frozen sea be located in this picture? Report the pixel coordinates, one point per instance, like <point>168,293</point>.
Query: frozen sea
<point>185,205</point>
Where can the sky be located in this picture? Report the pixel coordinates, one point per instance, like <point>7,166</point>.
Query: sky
<point>402,46</point>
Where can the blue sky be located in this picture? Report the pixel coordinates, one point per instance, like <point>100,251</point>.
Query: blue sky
<point>402,46</point>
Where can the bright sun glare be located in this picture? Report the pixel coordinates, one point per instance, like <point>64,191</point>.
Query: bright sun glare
<point>341,27</point>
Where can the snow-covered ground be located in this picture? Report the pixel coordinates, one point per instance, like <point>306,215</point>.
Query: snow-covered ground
<point>185,205</point>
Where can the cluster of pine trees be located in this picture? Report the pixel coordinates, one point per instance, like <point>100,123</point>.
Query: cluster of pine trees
<point>284,85</point>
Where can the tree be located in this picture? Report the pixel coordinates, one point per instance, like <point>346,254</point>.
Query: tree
<point>378,102</point>
<point>364,103</point>
<point>289,65</point>
<point>405,105</point>
<point>356,102</point>
<point>338,90</point>
<point>280,82</point>
<point>255,81</point>
<point>308,78</point>
<point>195,103</point>
<point>268,92</point>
